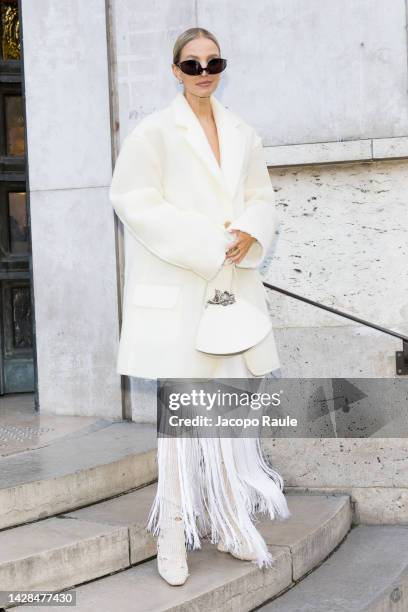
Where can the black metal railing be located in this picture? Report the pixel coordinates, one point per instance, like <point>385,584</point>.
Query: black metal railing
<point>401,357</point>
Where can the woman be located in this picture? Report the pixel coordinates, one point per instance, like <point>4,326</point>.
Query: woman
<point>192,189</point>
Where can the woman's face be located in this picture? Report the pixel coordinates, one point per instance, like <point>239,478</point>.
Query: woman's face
<point>202,50</point>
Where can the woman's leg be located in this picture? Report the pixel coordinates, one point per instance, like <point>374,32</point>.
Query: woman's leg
<point>166,517</point>
<point>247,476</point>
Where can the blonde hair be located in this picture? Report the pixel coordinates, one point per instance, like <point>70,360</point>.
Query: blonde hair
<point>188,35</point>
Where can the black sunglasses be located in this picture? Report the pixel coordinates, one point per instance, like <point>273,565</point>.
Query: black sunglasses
<point>194,68</point>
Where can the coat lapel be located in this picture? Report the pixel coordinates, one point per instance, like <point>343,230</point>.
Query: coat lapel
<point>231,138</point>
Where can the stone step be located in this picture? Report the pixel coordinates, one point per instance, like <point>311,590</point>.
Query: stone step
<point>76,470</point>
<point>368,572</point>
<point>88,544</point>
<point>78,546</point>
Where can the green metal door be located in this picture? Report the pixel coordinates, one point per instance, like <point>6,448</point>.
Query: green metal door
<point>16,322</point>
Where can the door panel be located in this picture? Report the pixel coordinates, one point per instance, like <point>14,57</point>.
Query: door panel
<point>16,321</point>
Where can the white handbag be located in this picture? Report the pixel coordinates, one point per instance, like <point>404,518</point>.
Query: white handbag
<point>229,323</point>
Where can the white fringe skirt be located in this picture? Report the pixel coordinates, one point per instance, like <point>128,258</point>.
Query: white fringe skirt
<point>219,485</point>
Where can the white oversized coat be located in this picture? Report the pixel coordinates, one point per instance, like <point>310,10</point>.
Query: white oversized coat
<point>173,199</point>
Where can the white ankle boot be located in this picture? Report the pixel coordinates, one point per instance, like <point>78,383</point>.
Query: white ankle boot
<point>171,552</point>
<point>245,554</point>
<point>245,551</point>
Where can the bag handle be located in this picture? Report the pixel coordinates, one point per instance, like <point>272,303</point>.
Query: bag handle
<point>233,273</point>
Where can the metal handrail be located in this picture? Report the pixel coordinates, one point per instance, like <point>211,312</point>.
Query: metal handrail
<point>401,357</point>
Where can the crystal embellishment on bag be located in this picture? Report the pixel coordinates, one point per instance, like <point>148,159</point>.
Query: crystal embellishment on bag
<point>222,298</point>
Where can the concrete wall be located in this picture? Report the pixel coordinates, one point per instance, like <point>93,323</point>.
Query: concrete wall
<point>342,242</point>
<point>314,71</point>
<point>373,471</point>
<point>72,222</point>
<point>299,72</point>
<point>144,36</point>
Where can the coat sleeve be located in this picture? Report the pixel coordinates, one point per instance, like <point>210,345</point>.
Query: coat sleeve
<point>184,238</point>
<point>259,217</point>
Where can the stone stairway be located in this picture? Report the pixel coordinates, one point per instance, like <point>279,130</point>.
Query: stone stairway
<point>367,573</point>
<point>73,515</point>
<point>87,545</point>
<point>96,463</point>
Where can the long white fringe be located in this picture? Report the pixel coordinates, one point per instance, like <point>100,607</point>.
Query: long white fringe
<point>223,482</point>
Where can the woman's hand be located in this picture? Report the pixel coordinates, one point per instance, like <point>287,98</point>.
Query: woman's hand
<point>240,247</point>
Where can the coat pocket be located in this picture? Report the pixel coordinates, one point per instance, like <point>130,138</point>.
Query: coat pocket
<point>158,296</point>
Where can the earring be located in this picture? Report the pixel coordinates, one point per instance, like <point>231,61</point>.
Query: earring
<point>181,81</point>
